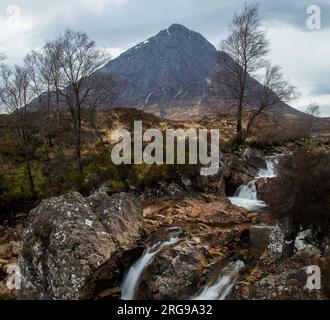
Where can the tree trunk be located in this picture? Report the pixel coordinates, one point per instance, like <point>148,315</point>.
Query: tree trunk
<point>239,129</point>
<point>239,136</point>
<point>31,180</point>
<point>250,124</point>
<point>58,111</point>
<point>46,147</point>
<point>78,140</point>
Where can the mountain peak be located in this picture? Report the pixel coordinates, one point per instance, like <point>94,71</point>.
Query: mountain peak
<point>170,68</point>
<point>169,71</point>
<point>178,28</point>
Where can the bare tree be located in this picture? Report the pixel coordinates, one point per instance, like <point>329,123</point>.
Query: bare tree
<point>244,52</point>
<point>51,57</point>
<point>15,96</point>
<point>274,91</point>
<point>2,72</point>
<point>102,93</point>
<point>313,110</point>
<point>42,87</point>
<point>78,58</point>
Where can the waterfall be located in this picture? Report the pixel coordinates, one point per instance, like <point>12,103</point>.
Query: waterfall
<point>246,195</point>
<point>248,191</point>
<point>269,172</point>
<point>132,278</point>
<point>223,287</point>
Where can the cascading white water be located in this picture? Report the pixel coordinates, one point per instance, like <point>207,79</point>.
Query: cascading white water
<point>222,288</point>
<point>246,195</point>
<point>248,191</point>
<point>269,172</point>
<point>132,279</point>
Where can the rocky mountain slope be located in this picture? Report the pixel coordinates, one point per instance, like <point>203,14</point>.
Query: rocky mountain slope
<point>171,75</point>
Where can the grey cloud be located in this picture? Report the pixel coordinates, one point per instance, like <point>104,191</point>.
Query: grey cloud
<point>126,22</point>
<point>123,23</point>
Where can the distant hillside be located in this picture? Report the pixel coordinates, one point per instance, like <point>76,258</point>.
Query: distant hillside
<point>171,74</point>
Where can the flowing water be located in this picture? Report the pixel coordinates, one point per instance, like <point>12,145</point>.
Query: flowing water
<point>132,279</point>
<point>246,195</point>
<point>223,287</point>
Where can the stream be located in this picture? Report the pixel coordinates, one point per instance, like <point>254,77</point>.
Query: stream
<point>246,197</point>
<point>225,283</point>
<point>131,280</point>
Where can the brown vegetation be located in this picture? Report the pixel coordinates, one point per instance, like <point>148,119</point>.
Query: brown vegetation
<point>301,192</point>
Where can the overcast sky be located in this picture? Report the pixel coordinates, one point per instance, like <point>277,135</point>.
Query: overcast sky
<point>118,25</point>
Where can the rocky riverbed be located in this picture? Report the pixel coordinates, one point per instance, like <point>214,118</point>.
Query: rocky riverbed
<point>180,240</point>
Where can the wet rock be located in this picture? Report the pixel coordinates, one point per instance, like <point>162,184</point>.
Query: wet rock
<point>216,183</point>
<point>175,272</point>
<point>288,281</point>
<point>178,272</point>
<point>259,237</point>
<point>282,269</point>
<point>212,227</point>
<point>263,188</point>
<point>70,239</point>
<point>242,172</point>
<point>280,245</point>
<point>303,243</point>
<point>164,190</point>
<point>287,285</point>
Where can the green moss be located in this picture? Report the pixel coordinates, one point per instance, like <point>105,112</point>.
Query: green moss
<point>143,175</point>
<point>116,185</point>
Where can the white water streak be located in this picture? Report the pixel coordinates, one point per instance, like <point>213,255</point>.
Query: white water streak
<point>132,279</point>
<point>246,195</point>
<point>223,287</point>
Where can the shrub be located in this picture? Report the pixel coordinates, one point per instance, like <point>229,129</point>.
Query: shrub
<point>302,189</point>
<point>275,136</point>
<point>143,175</point>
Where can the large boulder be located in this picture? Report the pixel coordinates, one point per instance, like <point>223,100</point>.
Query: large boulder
<point>69,239</point>
<point>176,272</point>
<point>283,270</point>
<point>287,285</point>
<point>289,280</point>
